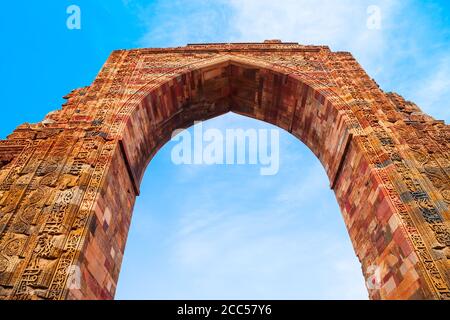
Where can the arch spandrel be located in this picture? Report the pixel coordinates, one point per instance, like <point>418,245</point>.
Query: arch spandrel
<point>221,74</point>
<point>61,206</point>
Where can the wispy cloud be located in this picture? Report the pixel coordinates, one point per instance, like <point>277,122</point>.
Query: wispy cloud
<point>237,235</point>
<point>266,254</point>
<point>176,23</point>
<point>432,92</point>
<point>257,251</point>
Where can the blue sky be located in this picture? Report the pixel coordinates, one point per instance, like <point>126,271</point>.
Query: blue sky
<point>225,231</point>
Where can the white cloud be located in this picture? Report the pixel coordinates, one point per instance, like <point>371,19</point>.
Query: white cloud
<point>176,23</point>
<point>432,93</point>
<point>257,249</point>
<point>239,236</point>
<point>313,184</point>
<point>259,253</point>
<point>340,24</point>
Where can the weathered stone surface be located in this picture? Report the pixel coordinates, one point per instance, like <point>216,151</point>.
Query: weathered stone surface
<point>68,184</point>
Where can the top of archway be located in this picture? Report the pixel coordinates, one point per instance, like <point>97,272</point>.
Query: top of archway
<point>148,67</point>
<point>267,45</point>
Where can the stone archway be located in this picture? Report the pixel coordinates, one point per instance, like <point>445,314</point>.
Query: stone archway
<point>68,184</point>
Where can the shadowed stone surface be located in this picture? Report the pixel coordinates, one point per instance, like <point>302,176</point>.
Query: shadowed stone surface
<point>68,184</point>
